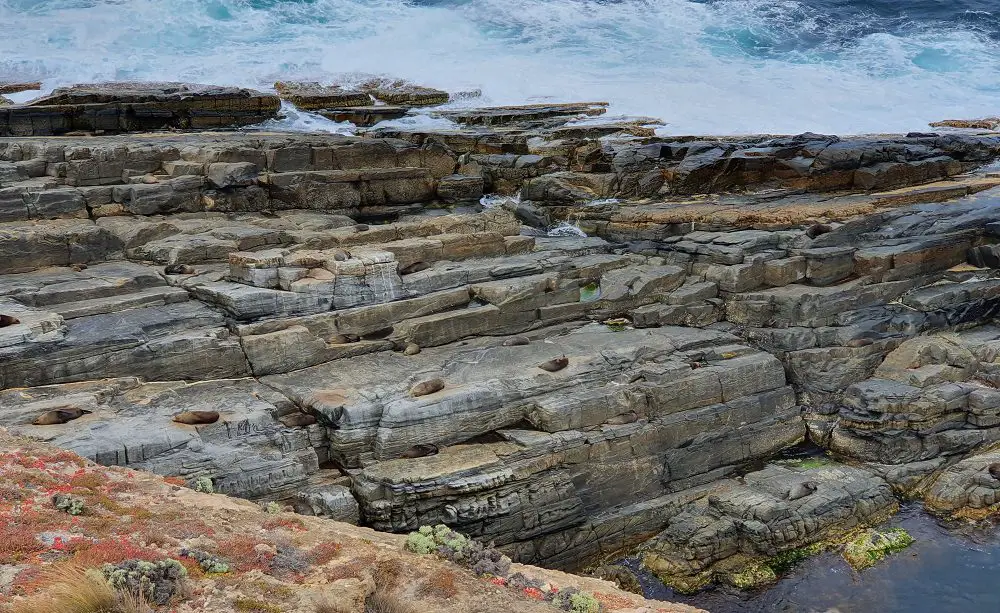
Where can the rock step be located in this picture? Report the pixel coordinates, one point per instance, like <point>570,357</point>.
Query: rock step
<point>99,306</point>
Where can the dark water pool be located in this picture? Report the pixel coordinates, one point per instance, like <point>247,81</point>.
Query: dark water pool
<point>950,569</point>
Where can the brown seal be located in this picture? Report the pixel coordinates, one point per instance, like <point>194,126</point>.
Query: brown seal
<point>629,417</point>
<point>859,342</point>
<point>414,267</point>
<point>8,320</point>
<point>193,418</point>
<point>516,341</point>
<point>79,267</point>
<point>412,349</point>
<point>178,269</point>
<point>420,451</point>
<point>361,227</point>
<point>59,416</point>
<point>994,469</point>
<point>297,420</point>
<point>427,387</point>
<point>555,364</point>
<point>818,229</point>
<point>802,490</point>
<point>343,339</point>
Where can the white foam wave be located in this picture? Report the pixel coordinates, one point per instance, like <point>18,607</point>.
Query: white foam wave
<point>725,67</point>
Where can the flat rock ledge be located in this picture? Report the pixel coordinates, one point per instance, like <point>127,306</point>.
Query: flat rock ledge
<point>565,336</point>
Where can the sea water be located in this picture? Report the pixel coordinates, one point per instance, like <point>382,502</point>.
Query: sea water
<point>710,66</point>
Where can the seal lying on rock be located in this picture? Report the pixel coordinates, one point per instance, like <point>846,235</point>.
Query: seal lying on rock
<point>629,417</point>
<point>297,420</point>
<point>414,267</point>
<point>994,470</point>
<point>411,349</point>
<point>7,320</point>
<point>420,451</point>
<point>801,490</point>
<point>516,341</point>
<point>361,227</point>
<point>79,267</point>
<point>59,416</point>
<point>193,418</point>
<point>555,364</point>
<point>818,229</point>
<point>339,255</point>
<point>427,387</point>
<point>859,342</point>
<point>178,269</point>
<point>343,339</point>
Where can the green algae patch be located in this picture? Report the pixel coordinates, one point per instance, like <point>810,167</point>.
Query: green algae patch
<point>872,546</point>
<point>753,575</point>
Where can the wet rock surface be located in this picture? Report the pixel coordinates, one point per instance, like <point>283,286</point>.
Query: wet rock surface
<point>627,325</point>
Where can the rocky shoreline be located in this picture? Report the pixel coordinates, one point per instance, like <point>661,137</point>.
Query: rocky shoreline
<point>626,331</point>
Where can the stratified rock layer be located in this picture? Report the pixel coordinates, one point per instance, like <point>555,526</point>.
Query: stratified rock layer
<point>588,359</point>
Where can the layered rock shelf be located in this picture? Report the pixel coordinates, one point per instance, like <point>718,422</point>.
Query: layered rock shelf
<point>605,352</point>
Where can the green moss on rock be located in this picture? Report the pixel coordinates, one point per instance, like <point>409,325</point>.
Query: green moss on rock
<point>872,546</point>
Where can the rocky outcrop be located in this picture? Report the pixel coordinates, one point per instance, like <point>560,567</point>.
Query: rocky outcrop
<point>136,107</point>
<point>569,370</point>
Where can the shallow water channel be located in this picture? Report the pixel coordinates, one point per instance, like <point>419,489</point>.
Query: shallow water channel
<point>949,569</point>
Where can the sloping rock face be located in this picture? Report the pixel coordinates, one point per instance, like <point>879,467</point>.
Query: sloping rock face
<point>567,372</point>
<point>136,107</point>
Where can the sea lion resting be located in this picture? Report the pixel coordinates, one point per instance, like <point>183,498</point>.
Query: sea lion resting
<point>178,269</point>
<point>8,320</point>
<point>193,418</point>
<point>59,416</point>
<point>297,420</point>
<point>801,490</point>
<point>818,229</point>
<point>994,470</point>
<point>555,364</point>
<point>414,267</point>
<point>419,451</point>
<point>427,387</point>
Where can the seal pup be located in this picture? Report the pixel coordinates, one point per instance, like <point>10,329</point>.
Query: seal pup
<point>297,420</point>
<point>59,416</point>
<point>801,490</point>
<point>516,341</point>
<point>178,269</point>
<point>629,417</point>
<point>361,227</point>
<point>79,267</point>
<point>555,364</point>
<point>8,320</point>
<point>340,255</point>
<point>194,418</point>
<point>994,470</point>
<point>427,387</point>
<point>420,451</point>
<point>859,342</point>
<point>414,267</point>
<point>343,339</point>
<point>818,229</point>
<point>411,349</point>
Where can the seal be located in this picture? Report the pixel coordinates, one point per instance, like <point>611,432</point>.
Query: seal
<point>420,451</point>
<point>555,364</point>
<point>516,341</point>
<point>628,417</point>
<point>343,339</point>
<point>994,470</point>
<point>297,420</point>
<point>178,269</point>
<point>339,255</point>
<point>802,490</point>
<point>8,320</point>
<point>412,349</point>
<point>427,387</point>
<point>818,229</point>
<point>79,267</point>
<point>414,267</point>
<point>194,418</point>
<point>59,416</point>
<point>361,227</point>
<point>859,342</point>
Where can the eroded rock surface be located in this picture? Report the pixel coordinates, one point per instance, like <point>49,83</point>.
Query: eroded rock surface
<point>700,304</point>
